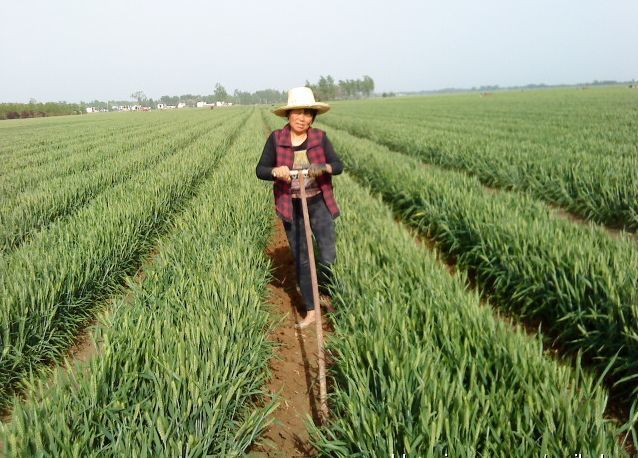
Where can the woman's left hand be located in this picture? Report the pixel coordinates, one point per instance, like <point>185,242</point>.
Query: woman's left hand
<point>316,170</point>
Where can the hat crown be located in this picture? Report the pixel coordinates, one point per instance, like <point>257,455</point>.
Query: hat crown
<point>300,96</point>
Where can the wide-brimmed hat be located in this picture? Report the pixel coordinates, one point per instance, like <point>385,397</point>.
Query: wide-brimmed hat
<point>301,97</point>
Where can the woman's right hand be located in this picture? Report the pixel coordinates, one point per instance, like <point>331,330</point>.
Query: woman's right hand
<point>281,173</point>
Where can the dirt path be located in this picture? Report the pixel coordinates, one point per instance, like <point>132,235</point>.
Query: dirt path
<point>294,366</point>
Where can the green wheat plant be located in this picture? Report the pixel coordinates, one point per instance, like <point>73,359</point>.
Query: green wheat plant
<point>581,283</point>
<point>54,282</point>
<point>184,356</point>
<point>421,368</point>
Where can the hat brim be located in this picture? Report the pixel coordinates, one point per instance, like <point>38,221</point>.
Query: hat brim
<point>319,106</point>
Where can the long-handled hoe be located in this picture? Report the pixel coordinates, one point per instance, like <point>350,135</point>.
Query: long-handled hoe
<point>323,393</point>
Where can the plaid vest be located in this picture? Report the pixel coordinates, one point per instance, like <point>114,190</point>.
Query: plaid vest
<point>285,156</point>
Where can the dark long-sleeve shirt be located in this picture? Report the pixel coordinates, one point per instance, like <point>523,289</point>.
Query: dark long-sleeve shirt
<point>268,159</point>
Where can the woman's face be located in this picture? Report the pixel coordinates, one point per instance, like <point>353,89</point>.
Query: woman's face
<point>300,120</point>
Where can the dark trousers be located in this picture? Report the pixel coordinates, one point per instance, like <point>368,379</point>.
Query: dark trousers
<point>323,229</point>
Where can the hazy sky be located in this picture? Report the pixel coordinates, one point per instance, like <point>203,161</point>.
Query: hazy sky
<point>77,50</point>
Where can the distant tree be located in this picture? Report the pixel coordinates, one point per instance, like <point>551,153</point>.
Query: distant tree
<point>269,96</point>
<point>326,89</point>
<point>220,93</point>
<point>190,99</point>
<point>31,110</point>
<point>367,86</point>
<point>242,97</point>
<point>97,104</point>
<point>139,96</point>
<point>169,100</point>
<point>347,88</point>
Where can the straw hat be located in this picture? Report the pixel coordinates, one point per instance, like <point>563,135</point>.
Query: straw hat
<point>301,97</point>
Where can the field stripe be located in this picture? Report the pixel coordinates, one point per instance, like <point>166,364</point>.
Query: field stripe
<point>44,155</point>
<point>579,282</point>
<point>86,156</point>
<point>599,188</point>
<point>59,198</point>
<point>53,282</point>
<point>184,358</point>
<point>421,368</point>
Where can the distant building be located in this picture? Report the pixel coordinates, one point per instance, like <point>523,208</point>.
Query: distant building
<point>181,105</point>
<point>161,106</point>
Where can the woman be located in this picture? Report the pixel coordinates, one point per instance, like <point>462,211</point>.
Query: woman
<point>299,146</point>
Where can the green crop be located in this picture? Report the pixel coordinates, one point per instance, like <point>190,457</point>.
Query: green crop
<point>419,364</point>
<point>581,283</point>
<point>57,197</point>
<point>85,155</point>
<point>184,356</point>
<point>53,283</point>
<point>422,368</point>
<point>572,148</point>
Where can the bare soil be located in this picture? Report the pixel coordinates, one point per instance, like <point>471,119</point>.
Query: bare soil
<point>294,366</point>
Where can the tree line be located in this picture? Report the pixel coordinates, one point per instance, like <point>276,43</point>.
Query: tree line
<point>220,94</point>
<point>34,109</point>
<point>327,89</point>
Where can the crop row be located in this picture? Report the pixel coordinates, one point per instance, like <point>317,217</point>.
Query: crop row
<point>72,155</point>
<point>33,137</point>
<point>600,122</point>
<point>529,137</point>
<point>184,357</point>
<point>579,282</point>
<point>69,143</point>
<point>59,197</point>
<point>600,188</point>
<point>83,156</point>
<point>422,368</point>
<point>52,283</point>
<point>400,329</point>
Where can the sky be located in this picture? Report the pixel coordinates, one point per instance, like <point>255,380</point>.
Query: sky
<point>83,50</point>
